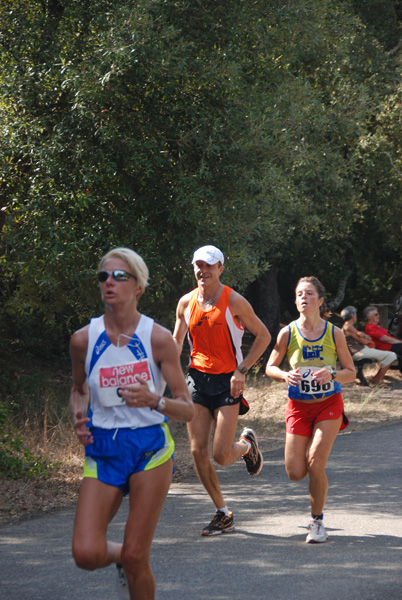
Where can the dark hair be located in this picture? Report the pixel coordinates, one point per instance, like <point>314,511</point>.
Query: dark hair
<point>320,291</point>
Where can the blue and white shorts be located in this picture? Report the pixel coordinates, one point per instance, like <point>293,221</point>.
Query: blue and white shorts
<point>116,454</point>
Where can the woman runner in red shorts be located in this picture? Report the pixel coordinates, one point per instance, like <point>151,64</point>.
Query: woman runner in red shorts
<point>315,410</point>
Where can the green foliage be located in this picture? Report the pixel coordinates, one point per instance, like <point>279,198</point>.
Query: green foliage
<point>143,143</point>
<point>382,17</point>
<point>16,460</point>
<point>269,129</point>
<point>33,403</point>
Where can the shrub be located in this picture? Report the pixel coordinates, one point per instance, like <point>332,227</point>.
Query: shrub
<point>16,460</point>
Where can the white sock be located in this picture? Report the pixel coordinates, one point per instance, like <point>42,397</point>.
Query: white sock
<point>224,510</point>
<point>248,446</point>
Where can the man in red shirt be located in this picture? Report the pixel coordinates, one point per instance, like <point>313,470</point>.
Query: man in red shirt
<point>381,337</point>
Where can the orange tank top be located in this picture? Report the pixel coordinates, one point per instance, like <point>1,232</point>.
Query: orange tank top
<point>214,336</point>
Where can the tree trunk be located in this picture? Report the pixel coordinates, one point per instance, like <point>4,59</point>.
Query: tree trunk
<point>340,294</point>
<point>264,298</point>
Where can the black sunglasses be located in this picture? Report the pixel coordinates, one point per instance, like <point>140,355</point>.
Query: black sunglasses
<point>117,274</point>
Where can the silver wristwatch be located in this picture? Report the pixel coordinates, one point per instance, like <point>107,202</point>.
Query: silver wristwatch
<point>333,373</point>
<point>161,405</point>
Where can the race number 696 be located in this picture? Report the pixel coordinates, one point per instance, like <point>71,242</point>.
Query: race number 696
<point>309,385</point>
<point>313,387</point>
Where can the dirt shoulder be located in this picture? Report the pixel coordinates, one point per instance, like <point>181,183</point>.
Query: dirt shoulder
<point>366,407</point>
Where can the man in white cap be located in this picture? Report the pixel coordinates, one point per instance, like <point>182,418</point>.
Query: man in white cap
<point>214,317</point>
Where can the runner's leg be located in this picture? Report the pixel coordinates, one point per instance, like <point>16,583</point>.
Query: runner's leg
<point>224,450</point>
<point>199,430</point>
<point>296,447</point>
<point>324,435</point>
<point>148,490</point>
<point>97,504</point>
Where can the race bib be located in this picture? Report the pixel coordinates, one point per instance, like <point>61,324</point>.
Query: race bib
<point>308,385</point>
<point>110,379</point>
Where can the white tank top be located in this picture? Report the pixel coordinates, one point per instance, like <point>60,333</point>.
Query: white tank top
<point>109,367</point>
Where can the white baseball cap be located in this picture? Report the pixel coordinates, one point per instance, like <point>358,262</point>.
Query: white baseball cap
<point>209,254</point>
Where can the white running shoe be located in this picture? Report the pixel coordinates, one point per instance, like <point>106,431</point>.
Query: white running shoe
<point>122,586</point>
<point>316,532</point>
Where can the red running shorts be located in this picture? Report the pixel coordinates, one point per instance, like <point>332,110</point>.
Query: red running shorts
<point>302,416</point>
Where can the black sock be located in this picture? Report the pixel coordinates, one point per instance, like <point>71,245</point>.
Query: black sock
<point>317,517</point>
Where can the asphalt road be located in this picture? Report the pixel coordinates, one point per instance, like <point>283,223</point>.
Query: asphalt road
<point>266,559</point>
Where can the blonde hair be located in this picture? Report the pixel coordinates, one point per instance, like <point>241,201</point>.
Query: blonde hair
<point>136,264</point>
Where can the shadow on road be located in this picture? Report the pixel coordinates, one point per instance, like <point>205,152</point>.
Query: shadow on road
<point>266,558</point>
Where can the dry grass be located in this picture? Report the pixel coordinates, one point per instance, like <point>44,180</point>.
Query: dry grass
<point>365,406</point>
<point>25,498</point>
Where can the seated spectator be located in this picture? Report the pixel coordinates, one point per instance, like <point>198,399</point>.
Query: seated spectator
<point>381,337</point>
<point>361,345</point>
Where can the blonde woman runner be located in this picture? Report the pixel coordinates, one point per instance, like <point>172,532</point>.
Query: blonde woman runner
<point>121,361</point>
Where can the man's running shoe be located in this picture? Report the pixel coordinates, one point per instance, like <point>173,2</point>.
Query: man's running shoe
<point>122,585</point>
<point>316,532</point>
<point>221,523</point>
<point>253,458</point>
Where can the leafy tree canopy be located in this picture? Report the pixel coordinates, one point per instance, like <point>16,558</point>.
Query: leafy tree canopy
<point>270,130</point>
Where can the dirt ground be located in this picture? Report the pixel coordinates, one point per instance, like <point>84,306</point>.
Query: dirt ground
<point>365,407</point>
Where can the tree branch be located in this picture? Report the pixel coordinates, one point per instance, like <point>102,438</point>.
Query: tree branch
<point>341,291</point>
